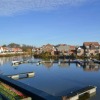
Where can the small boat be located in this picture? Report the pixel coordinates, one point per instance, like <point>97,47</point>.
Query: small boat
<point>16,62</point>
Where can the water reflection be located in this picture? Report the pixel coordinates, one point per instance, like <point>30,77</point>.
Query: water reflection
<point>4,60</point>
<point>64,64</point>
<point>91,66</point>
<point>48,65</point>
<point>57,80</point>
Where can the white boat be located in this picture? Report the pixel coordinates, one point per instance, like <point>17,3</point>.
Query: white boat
<point>15,62</point>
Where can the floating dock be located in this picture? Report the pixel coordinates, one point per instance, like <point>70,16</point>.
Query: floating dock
<point>77,94</point>
<point>21,75</point>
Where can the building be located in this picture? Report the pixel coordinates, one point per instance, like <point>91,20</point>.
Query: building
<point>63,49</point>
<point>48,48</point>
<point>91,48</point>
<point>72,50</point>
<point>88,49</point>
<point>80,51</point>
<point>1,50</point>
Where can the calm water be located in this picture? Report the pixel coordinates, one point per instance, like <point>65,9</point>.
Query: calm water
<point>57,80</point>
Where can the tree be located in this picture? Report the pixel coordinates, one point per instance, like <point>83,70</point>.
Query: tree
<point>13,45</point>
<point>27,48</point>
<point>4,45</point>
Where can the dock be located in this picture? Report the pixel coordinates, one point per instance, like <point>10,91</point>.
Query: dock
<point>21,75</point>
<point>66,62</point>
<point>77,94</point>
<point>96,61</point>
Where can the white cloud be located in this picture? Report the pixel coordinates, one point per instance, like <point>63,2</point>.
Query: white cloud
<point>10,7</point>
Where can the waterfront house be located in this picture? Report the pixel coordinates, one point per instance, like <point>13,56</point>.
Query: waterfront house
<point>80,51</point>
<point>91,48</point>
<point>1,50</point>
<point>48,48</point>
<point>72,50</point>
<point>63,49</point>
<point>16,50</point>
<point>36,50</point>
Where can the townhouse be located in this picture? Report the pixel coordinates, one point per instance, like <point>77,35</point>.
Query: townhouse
<point>88,49</point>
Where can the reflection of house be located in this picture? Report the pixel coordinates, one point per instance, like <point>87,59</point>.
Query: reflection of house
<point>64,64</point>
<point>48,65</point>
<point>91,48</point>
<point>91,67</point>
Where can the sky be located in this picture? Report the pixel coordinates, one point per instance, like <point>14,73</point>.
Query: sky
<point>39,22</point>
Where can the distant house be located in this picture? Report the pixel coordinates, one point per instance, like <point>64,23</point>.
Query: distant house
<point>17,50</point>
<point>80,51</point>
<point>63,49</point>
<point>48,48</point>
<point>91,48</point>
<point>36,50</point>
<point>1,50</point>
<point>72,50</point>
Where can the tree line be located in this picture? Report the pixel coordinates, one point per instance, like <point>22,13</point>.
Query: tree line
<point>24,47</point>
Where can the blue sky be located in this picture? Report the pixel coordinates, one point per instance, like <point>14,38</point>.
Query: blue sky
<point>38,22</point>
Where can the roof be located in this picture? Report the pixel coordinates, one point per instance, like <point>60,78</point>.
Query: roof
<point>91,43</point>
<point>72,47</point>
<point>62,47</point>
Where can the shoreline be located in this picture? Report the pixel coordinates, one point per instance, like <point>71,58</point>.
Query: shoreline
<point>13,54</point>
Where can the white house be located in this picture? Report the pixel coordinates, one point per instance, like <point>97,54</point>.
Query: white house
<point>1,50</point>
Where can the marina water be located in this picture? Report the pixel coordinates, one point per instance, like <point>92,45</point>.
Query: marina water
<point>52,78</point>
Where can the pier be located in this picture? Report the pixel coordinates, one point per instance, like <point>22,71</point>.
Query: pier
<point>21,75</point>
<point>96,61</point>
<point>77,94</point>
<point>36,94</point>
<point>59,62</point>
